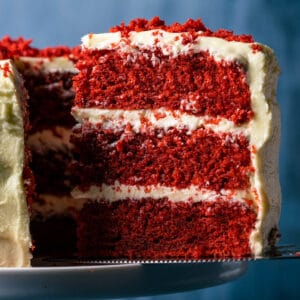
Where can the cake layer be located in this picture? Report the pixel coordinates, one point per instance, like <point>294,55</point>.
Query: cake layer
<point>159,229</point>
<point>52,172</point>
<point>196,84</point>
<point>172,158</point>
<point>22,48</point>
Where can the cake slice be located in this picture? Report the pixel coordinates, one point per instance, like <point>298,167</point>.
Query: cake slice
<point>16,181</point>
<point>176,143</point>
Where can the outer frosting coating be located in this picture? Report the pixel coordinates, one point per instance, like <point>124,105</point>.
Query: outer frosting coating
<point>15,240</point>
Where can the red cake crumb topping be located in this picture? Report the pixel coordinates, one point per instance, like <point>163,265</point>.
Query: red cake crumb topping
<point>10,48</point>
<point>140,24</point>
<point>13,48</point>
<point>191,26</point>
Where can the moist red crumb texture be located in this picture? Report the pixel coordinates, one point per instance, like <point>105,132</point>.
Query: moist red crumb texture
<point>108,79</point>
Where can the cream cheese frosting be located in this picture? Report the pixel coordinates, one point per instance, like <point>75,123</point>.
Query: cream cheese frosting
<point>112,193</point>
<point>15,239</point>
<point>56,138</point>
<point>52,205</point>
<point>45,64</point>
<point>262,131</point>
<point>117,119</point>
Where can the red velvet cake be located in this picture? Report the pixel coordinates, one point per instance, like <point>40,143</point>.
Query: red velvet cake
<point>173,152</point>
<point>176,143</point>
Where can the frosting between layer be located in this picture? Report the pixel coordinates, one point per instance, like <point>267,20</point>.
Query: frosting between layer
<point>43,64</point>
<point>56,138</point>
<point>52,205</point>
<point>116,119</point>
<point>112,193</point>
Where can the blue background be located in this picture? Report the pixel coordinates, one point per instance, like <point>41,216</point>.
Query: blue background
<point>275,23</point>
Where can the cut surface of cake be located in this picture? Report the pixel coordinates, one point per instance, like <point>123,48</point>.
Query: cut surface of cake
<point>176,143</point>
<point>16,181</point>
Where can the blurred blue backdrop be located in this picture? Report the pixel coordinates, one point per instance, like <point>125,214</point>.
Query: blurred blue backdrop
<point>275,23</point>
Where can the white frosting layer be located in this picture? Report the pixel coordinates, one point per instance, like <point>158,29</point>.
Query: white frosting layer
<point>263,130</point>
<point>41,64</point>
<point>58,138</point>
<point>170,43</point>
<point>117,119</point>
<point>52,205</point>
<point>193,193</point>
<point>15,240</point>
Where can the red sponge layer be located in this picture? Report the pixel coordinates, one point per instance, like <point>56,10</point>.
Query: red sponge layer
<point>160,229</point>
<point>193,83</point>
<point>172,158</point>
